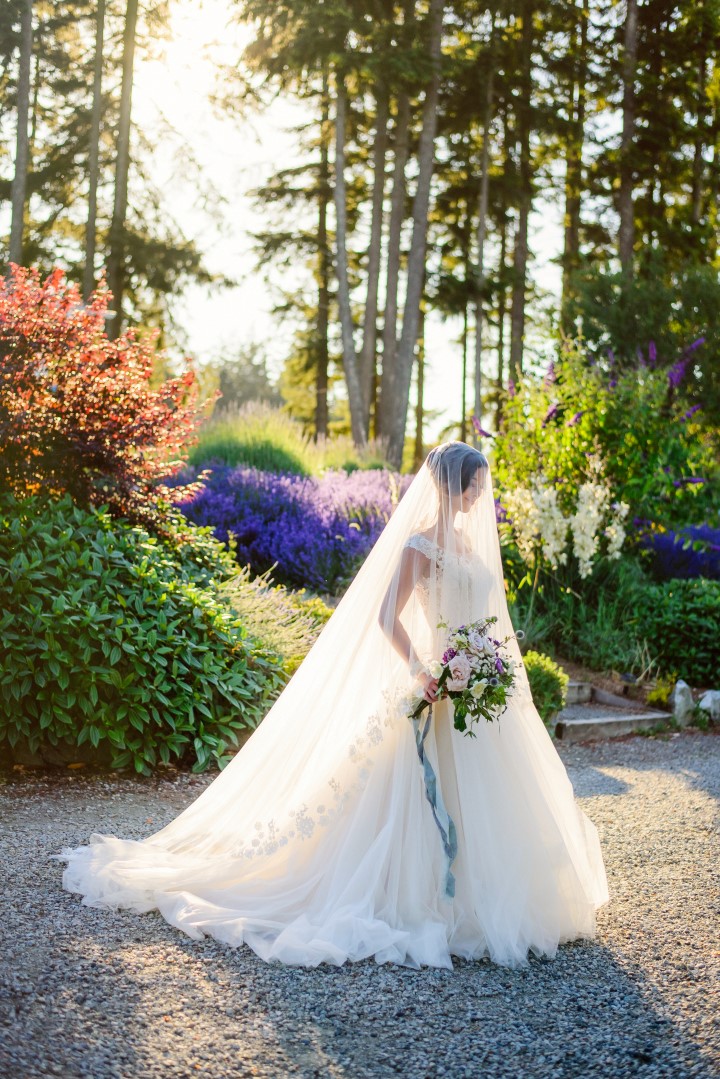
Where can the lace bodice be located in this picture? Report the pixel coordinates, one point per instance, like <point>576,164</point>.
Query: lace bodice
<point>456,577</point>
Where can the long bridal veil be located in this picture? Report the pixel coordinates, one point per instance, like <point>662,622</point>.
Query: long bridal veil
<point>306,844</point>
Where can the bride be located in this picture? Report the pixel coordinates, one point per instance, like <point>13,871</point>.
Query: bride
<point>320,841</point>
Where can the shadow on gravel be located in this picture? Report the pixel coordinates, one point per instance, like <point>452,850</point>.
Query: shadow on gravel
<point>127,996</point>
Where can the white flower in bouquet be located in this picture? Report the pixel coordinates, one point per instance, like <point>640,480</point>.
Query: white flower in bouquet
<point>478,688</point>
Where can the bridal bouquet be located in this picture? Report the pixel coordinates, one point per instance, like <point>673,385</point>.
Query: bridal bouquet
<point>474,673</point>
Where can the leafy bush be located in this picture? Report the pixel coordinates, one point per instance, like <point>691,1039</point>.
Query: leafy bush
<point>589,621</point>
<point>260,436</point>
<point>661,455</point>
<point>693,551</point>
<point>285,622</point>
<point>111,637</point>
<point>681,621</point>
<point>77,413</point>
<point>309,531</point>
<point>548,684</point>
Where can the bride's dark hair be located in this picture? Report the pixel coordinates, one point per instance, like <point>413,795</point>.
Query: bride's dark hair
<point>453,465</point>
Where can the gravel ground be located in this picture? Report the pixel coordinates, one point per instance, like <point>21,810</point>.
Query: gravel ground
<point>90,993</point>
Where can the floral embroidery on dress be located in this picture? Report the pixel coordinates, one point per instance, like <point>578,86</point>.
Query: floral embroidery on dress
<point>302,820</point>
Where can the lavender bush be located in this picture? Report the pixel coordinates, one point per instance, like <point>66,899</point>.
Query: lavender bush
<point>314,530</point>
<point>693,551</point>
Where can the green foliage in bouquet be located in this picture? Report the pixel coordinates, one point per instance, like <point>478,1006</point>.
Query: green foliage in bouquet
<point>645,421</point>
<point>548,684</point>
<point>116,638</point>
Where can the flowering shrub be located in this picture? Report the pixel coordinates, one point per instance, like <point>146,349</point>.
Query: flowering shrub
<point>541,528</point>
<point>77,413</point>
<point>314,530</point>
<point>646,422</point>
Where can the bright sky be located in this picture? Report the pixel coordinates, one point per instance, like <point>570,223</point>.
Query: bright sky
<point>236,155</point>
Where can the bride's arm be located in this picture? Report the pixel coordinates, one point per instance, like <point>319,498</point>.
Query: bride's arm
<point>413,564</point>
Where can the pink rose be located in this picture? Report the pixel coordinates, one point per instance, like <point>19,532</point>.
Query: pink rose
<point>460,672</point>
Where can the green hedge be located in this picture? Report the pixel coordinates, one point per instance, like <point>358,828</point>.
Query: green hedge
<point>548,683</point>
<point>113,637</point>
<point>680,620</point>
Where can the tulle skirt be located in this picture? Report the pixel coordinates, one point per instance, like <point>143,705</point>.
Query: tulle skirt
<point>369,881</point>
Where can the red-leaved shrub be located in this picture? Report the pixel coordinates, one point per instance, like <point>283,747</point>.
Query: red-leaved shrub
<point>77,413</point>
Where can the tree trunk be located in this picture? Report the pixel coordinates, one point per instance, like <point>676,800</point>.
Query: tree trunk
<point>19,183</point>
<point>700,134</point>
<point>321,378</point>
<point>397,212</point>
<point>368,353</point>
<point>626,208</point>
<point>350,360</point>
<point>574,170</point>
<point>520,259</point>
<point>501,302</point>
<point>94,154</point>
<point>116,256</point>
<point>416,258</point>
<point>419,454</point>
<point>482,232</point>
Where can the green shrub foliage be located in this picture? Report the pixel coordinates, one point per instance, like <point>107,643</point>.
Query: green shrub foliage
<point>286,622</point>
<point>111,635</point>
<point>680,619</point>
<point>548,683</point>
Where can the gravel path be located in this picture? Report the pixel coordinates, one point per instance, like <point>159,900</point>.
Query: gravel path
<point>120,996</point>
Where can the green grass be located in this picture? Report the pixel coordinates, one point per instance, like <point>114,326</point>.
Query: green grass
<point>266,438</point>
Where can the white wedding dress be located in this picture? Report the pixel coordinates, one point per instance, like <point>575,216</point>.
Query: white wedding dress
<point>343,859</point>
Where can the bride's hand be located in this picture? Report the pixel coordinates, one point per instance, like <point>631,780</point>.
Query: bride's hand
<point>430,685</point>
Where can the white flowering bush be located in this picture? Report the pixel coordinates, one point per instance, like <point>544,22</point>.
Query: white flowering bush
<point>543,532</point>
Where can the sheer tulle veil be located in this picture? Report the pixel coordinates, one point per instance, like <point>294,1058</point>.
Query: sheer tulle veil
<point>317,752</point>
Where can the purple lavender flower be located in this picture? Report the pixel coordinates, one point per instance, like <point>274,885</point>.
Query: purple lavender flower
<point>550,414</point>
<point>693,551</point>
<point>690,412</point>
<point>611,356</point>
<point>677,372</point>
<point>550,375</point>
<point>480,430</point>
<point>499,665</point>
<point>695,345</point>
<point>576,418</point>
<point>652,353</point>
<point>612,383</point>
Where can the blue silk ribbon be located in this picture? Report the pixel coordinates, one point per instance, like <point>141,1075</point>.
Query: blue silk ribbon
<point>444,821</point>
